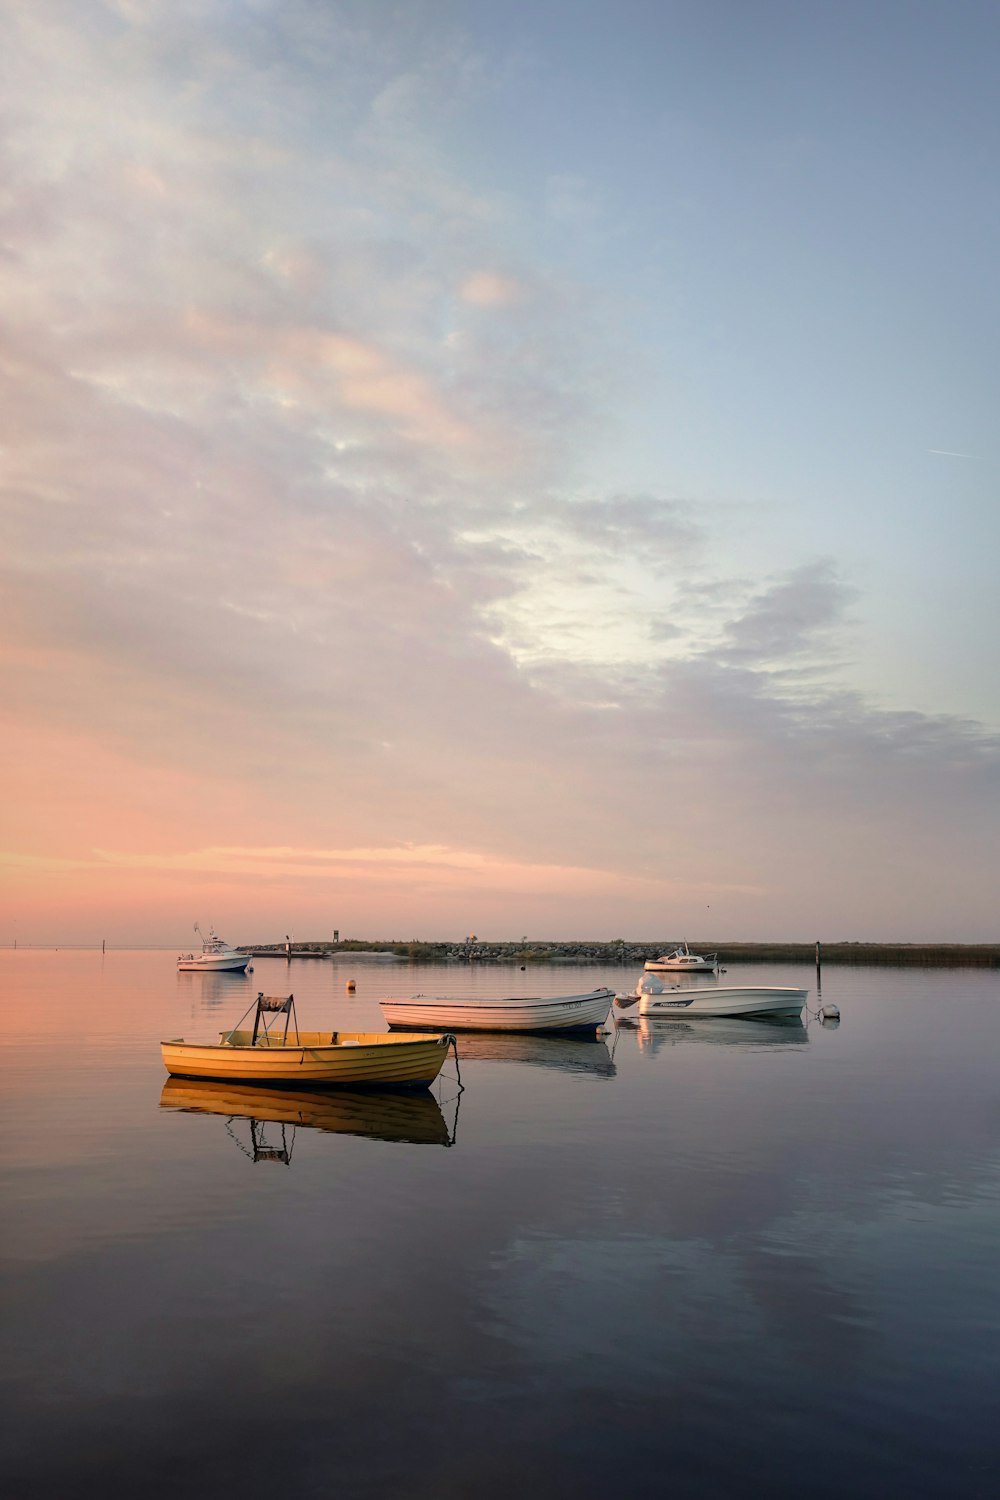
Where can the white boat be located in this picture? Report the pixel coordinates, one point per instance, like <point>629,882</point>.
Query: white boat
<point>500,1013</point>
<point>683,961</point>
<point>215,954</point>
<point>720,1000</point>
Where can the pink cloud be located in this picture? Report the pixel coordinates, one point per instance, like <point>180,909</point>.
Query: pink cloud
<point>491,289</point>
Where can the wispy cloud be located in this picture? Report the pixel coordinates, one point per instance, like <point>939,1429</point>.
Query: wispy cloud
<point>303,579</point>
<point>791,619</point>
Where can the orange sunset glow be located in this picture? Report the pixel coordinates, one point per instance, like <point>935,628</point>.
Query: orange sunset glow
<point>396,542</point>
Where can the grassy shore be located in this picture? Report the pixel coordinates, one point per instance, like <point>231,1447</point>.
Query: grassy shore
<point>921,955</point>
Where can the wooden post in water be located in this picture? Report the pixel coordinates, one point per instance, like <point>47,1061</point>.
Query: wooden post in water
<point>103,941</point>
<point>819,970</point>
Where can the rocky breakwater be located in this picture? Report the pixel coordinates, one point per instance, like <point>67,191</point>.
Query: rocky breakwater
<point>617,952</point>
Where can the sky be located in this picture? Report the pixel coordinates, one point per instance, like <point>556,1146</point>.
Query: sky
<point>523,469</point>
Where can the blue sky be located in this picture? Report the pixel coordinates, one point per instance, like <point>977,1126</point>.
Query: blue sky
<point>481,468</point>
<point>790,210</point>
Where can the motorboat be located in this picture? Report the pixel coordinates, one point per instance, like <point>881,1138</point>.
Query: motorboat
<point>682,961</point>
<point>718,999</point>
<point>215,954</point>
<point>377,1114</point>
<point>267,1054</point>
<point>562,1013</point>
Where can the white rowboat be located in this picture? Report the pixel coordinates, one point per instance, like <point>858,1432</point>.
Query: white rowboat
<point>508,1013</point>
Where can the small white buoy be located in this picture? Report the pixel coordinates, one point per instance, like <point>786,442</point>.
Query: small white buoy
<point>829,1013</point>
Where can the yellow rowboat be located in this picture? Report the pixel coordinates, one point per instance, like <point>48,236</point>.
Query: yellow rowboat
<point>308,1058</point>
<point>379,1115</point>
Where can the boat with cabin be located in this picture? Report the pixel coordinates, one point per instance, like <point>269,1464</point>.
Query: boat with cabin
<point>682,961</point>
<point>215,955</point>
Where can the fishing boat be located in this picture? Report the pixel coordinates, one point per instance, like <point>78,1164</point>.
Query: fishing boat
<point>376,1114</point>
<point>683,961</point>
<point>720,1000</point>
<point>215,954</point>
<point>562,1013</point>
<point>268,1054</point>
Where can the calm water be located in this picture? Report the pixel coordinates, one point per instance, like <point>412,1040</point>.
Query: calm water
<point>719,1259</point>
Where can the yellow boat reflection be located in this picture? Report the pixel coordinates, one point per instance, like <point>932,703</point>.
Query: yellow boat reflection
<point>380,1115</point>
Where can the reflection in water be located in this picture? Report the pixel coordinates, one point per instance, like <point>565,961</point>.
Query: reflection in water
<point>381,1115</point>
<point>263,1149</point>
<point>586,1054</point>
<point>655,1032</point>
<point>732,1274</point>
<point>212,987</point>
<point>673,979</point>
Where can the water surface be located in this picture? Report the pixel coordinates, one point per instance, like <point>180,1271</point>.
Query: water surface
<point>704,1258</point>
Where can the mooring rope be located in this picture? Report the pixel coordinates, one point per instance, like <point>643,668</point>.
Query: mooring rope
<point>453,1044</point>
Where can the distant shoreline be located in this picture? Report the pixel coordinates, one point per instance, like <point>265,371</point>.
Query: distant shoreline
<point>896,955</point>
<point>920,955</point>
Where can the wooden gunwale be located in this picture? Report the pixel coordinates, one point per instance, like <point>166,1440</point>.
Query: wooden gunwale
<point>560,1014</point>
<point>359,1059</point>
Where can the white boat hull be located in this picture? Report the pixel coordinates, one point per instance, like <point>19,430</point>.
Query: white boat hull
<point>232,962</point>
<point>724,1000</point>
<point>564,1013</point>
<point>674,966</point>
